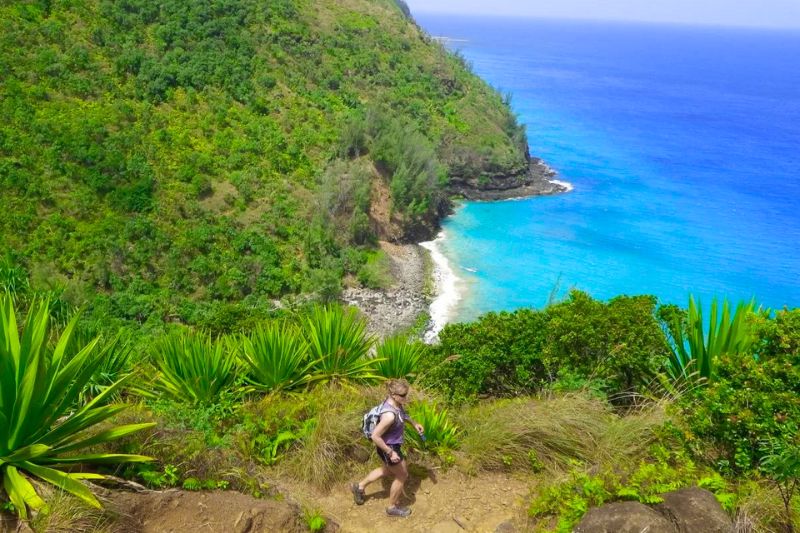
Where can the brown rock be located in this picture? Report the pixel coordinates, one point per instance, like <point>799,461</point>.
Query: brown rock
<point>624,517</point>
<point>695,510</point>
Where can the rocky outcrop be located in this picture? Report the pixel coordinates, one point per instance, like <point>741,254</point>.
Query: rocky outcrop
<point>695,510</point>
<point>691,510</point>
<point>536,180</point>
<point>624,517</point>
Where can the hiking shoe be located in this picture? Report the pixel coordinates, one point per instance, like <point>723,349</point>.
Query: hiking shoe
<point>402,512</point>
<point>358,494</point>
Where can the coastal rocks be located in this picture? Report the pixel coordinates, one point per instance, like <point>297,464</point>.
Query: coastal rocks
<point>537,181</point>
<point>398,307</point>
<point>691,510</point>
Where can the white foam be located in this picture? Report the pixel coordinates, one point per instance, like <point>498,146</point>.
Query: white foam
<point>567,185</point>
<point>447,285</point>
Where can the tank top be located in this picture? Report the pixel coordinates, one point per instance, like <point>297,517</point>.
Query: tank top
<point>394,435</point>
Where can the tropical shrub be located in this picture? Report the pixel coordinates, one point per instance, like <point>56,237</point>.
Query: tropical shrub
<point>193,367</point>
<point>695,352</point>
<point>42,421</point>
<point>618,344</point>
<point>749,402</point>
<point>338,346</point>
<point>277,357</point>
<point>399,357</point>
<point>498,355</point>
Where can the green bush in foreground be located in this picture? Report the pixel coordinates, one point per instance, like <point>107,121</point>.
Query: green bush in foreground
<point>42,421</point>
<point>398,357</point>
<point>338,346</point>
<point>277,356</point>
<point>194,368</point>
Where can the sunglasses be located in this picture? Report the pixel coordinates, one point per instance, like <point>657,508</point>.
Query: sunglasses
<point>401,395</point>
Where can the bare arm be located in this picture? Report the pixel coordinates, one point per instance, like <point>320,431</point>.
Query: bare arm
<point>387,419</point>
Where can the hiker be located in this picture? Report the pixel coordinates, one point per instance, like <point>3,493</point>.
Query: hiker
<point>388,437</point>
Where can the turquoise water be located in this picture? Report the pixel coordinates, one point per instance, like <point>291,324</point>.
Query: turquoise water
<point>682,143</point>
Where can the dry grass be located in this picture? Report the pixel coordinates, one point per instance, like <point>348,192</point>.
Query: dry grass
<point>515,434</point>
<point>70,515</point>
<point>335,446</point>
<point>760,510</point>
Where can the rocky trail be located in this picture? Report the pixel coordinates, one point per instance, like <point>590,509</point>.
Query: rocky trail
<point>440,503</point>
<point>450,502</point>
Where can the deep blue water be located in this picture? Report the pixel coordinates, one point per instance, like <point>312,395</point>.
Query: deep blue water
<point>682,142</point>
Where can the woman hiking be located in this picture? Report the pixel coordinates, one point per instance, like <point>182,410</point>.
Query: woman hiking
<point>388,437</point>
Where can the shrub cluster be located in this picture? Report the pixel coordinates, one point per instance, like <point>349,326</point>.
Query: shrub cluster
<point>616,347</point>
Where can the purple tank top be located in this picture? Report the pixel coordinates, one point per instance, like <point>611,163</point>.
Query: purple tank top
<point>394,435</point>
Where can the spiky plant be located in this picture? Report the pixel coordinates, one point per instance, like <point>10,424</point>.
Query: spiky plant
<point>277,356</point>
<point>338,346</point>
<point>440,433</point>
<point>398,357</point>
<point>193,367</point>
<point>42,422</point>
<point>694,352</point>
<point>116,358</point>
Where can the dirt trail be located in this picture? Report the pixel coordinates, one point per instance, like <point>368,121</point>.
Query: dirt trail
<point>439,502</point>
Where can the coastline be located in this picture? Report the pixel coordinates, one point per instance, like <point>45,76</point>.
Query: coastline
<point>447,289</point>
<point>402,306</point>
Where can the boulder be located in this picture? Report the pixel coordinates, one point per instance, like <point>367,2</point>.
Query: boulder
<point>624,517</point>
<point>695,510</point>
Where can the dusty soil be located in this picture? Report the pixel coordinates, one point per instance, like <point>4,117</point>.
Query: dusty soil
<point>178,511</point>
<point>440,503</point>
<point>397,307</point>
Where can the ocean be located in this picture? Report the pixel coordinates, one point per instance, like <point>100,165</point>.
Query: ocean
<point>682,144</point>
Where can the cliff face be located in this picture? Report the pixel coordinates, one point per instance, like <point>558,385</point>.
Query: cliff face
<point>167,156</point>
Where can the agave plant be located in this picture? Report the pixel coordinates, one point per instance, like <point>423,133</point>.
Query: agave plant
<point>694,352</point>
<point>194,368</point>
<point>440,433</point>
<point>277,356</point>
<point>398,357</point>
<point>116,358</point>
<point>338,346</point>
<point>42,421</point>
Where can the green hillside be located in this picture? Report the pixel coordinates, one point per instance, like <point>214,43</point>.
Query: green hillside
<point>194,161</point>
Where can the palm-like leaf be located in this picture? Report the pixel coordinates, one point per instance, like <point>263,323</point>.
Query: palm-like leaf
<point>42,421</point>
<point>694,353</point>
<point>194,368</point>
<point>338,346</point>
<point>398,357</point>
<point>277,356</point>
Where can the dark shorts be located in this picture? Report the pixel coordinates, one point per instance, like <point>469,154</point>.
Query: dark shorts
<point>385,456</point>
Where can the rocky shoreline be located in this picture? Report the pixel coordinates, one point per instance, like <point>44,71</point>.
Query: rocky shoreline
<point>538,181</point>
<point>400,307</point>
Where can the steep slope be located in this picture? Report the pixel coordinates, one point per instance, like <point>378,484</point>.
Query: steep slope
<point>192,161</point>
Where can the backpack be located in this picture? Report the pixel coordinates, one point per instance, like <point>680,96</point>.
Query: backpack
<point>371,419</point>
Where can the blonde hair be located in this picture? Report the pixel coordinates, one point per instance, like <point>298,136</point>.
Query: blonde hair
<point>397,386</point>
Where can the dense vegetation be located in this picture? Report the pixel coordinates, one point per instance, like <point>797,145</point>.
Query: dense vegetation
<point>176,168</point>
<point>578,396</point>
<point>193,162</point>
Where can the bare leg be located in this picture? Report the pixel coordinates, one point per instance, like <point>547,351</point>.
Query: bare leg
<point>375,475</point>
<point>400,473</point>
